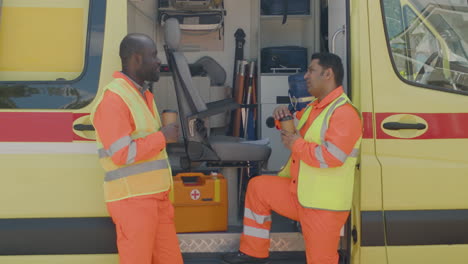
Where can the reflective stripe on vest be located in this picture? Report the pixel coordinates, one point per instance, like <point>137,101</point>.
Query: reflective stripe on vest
<point>325,188</point>
<point>135,169</point>
<point>133,179</point>
<point>118,145</point>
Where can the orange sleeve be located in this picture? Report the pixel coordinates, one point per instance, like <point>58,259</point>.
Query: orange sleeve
<point>344,130</point>
<point>114,124</point>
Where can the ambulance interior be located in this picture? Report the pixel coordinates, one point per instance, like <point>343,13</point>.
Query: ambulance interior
<point>208,43</point>
<point>312,30</point>
<point>205,40</point>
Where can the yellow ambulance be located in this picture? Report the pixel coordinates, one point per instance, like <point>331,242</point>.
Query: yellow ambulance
<point>407,71</point>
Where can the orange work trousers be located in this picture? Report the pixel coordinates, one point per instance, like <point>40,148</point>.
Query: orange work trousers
<point>145,230</point>
<point>320,228</point>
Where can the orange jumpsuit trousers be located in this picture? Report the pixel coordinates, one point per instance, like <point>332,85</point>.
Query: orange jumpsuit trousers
<point>145,230</point>
<point>320,228</point>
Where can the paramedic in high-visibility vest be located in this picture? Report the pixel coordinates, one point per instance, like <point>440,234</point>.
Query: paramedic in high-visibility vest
<point>315,187</point>
<point>132,151</point>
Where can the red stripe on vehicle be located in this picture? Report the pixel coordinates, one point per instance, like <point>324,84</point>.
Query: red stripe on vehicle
<point>36,127</point>
<point>440,125</point>
<point>368,131</point>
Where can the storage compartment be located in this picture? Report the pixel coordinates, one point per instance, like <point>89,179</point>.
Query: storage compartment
<point>200,202</point>
<point>289,7</point>
<point>195,22</point>
<point>192,4</point>
<point>284,59</point>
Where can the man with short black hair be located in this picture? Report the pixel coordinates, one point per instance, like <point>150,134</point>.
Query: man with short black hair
<point>132,150</point>
<point>315,187</point>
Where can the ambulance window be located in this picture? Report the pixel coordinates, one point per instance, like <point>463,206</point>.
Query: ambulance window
<point>48,49</point>
<point>428,42</point>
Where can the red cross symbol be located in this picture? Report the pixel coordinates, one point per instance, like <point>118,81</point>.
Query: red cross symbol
<point>195,194</point>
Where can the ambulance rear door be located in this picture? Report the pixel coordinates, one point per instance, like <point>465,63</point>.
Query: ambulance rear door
<point>51,53</point>
<point>419,69</point>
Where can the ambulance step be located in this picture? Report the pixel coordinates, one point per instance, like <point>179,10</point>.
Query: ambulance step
<point>229,242</point>
<point>215,258</point>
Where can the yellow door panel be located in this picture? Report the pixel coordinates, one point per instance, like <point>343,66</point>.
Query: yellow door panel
<point>53,208</point>
<point>369,247</point>
<point>52,185</point>
<point>420,178</point>
<point>372,255</point>
<point>453,254</point>
<point>420,97</point>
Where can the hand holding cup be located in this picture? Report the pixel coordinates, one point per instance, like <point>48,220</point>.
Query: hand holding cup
<point>170,127</point>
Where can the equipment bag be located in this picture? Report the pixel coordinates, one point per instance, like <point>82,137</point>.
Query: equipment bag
<point>195,21</point>
<point>298,95</point>
<point>286,59</point>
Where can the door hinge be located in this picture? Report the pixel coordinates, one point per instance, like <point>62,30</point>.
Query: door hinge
<point>354,234</point>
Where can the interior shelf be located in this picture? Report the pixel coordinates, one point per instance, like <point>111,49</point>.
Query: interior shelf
<point>293,17</point>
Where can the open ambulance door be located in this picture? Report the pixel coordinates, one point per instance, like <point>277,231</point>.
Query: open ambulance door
<point>419,69</point>
<point>336,20</point>
<point>338,15</point>
<point>52,57</point>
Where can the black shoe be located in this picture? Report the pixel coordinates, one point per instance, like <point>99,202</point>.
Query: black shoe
<point>241,258</point>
